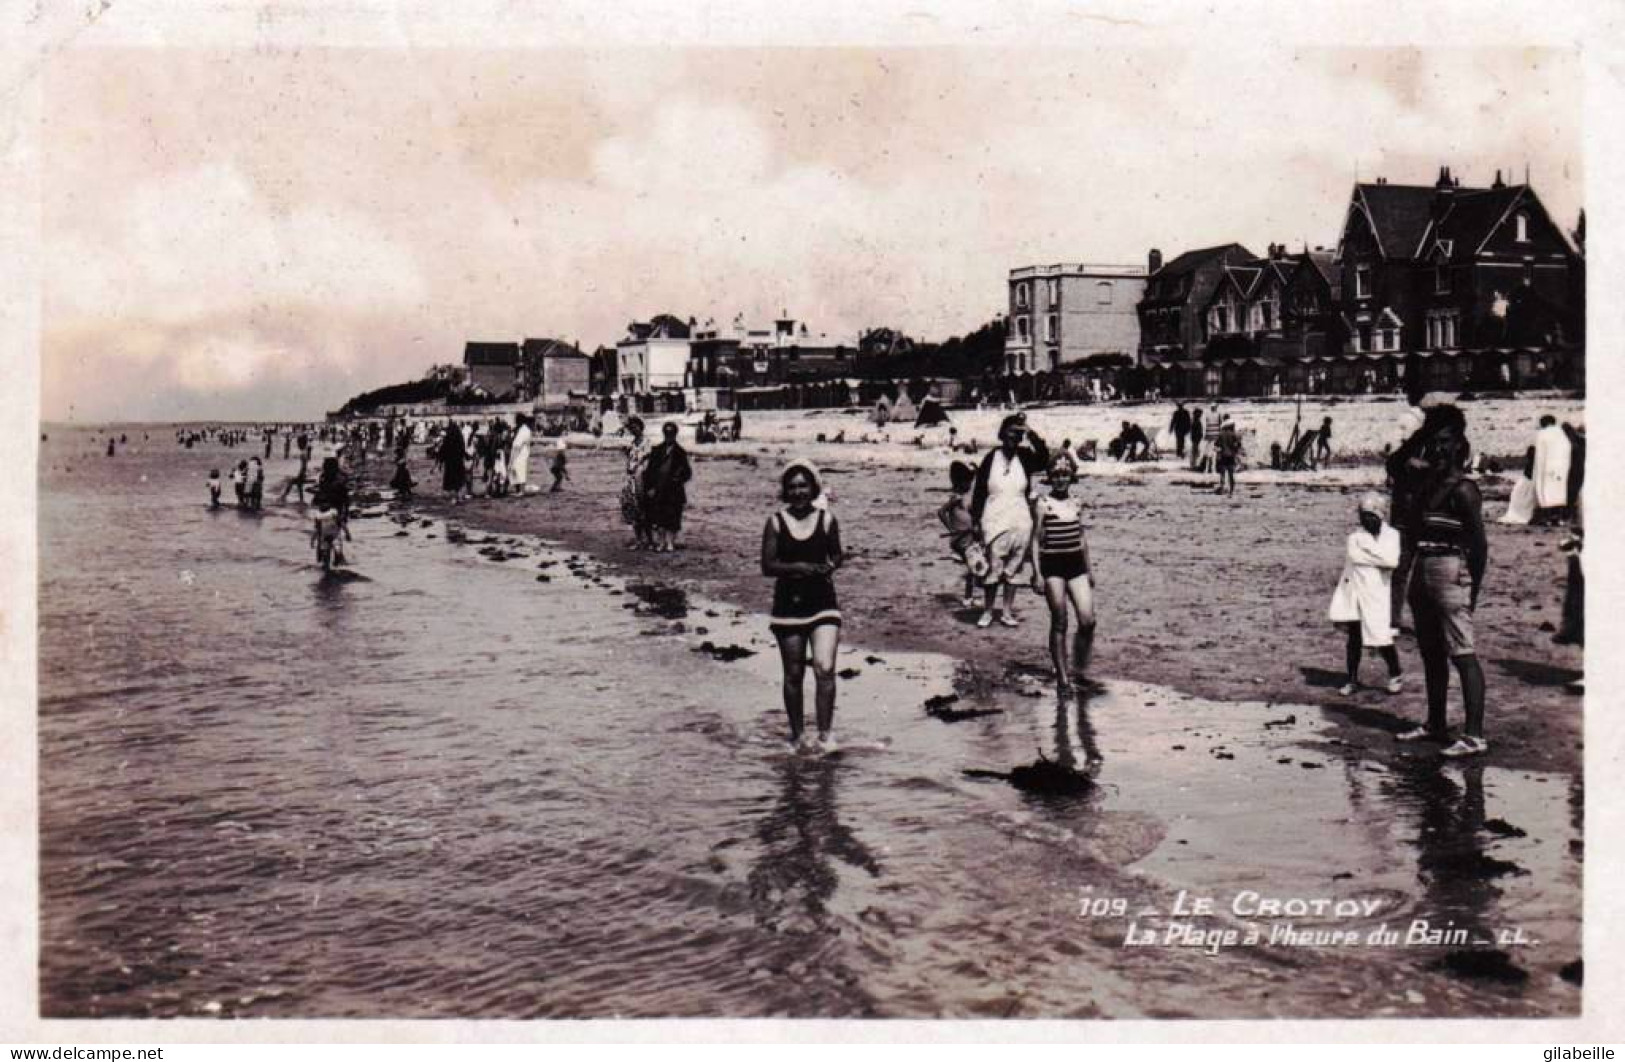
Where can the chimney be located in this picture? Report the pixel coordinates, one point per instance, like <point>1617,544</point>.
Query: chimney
<point>1444,194</point>
<point>1154,260</point>
<point>1498,182</point>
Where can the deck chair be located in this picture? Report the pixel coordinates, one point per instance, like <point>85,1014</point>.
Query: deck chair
<point>1301,458</point>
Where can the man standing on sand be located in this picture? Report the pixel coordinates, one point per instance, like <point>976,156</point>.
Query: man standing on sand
<point>1452,555</point>
<point>1196,435</point>
<point>1181,427</point>
<point>1002,515</point>
<point>1226,455</point>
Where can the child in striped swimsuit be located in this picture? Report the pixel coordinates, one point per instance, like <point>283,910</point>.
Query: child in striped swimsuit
<point>1061,571</point>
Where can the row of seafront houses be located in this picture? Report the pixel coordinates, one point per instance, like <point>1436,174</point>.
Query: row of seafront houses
<point>1430,287</point>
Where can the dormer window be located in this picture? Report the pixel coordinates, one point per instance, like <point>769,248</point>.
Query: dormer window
<point>1362,282</point>
<point>1522,221</point>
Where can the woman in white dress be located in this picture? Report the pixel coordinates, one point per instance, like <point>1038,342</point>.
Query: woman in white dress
<point>519,459</point>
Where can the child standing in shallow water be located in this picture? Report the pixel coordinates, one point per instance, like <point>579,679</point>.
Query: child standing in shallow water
<point>214,488</point>
<point>1360,605</point>
<point>1061,568</point>
<point>955,516</point>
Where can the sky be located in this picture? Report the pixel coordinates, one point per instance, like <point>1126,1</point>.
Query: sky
<point>243,233</point>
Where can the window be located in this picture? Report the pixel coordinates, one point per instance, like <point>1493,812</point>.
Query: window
<point>1441,280</point>
<point>1362,282</point>
<point>1390,339</point>
<point>1523,228</point>
<point>1052,327</point>
<point>1103,292</point>
<point>1052,292</point>
<point>1528,274</point>
<point>1021,328</point>
<point>1022,295</point>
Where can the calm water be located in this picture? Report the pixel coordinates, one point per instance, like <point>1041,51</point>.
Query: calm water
<point>450,788</point>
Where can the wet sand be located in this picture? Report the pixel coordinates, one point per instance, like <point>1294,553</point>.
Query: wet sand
<point>1222,598</point>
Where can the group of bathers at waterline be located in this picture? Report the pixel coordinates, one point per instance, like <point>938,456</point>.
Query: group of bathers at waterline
<point>993,527</point>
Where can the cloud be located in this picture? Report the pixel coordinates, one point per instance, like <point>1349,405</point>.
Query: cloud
<point>247,230</point>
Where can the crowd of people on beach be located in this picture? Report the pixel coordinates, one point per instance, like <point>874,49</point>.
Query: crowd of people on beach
<point>1013,519</point>
<point>1421,545</point>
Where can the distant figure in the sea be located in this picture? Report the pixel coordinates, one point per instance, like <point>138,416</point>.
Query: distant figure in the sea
<point>301,477</point>
<point>665,492</point>
<point>214,488</point>
<point>632,506</point>
<point>256,483</point>
<point>110,445</point>
<point>1361,603</point>
<point>1061,568</point>
<point>560,467</point>
<point>332,503</point>
<point>801,551</point>
<point>519,456</point>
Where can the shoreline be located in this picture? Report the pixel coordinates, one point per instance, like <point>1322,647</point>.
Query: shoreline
<point>1219,598</point>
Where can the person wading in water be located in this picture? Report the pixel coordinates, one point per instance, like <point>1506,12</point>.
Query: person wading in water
<point>1003,519</point>
<point>801,551</point>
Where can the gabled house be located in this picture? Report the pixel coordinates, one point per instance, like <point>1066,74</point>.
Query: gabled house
<point>492,367</point>
<point>551,370</point>
<point>653,356</point>
<point>1442,268</point>
<point>1173,311</point>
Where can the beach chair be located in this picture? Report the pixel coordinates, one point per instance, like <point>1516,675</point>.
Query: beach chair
<point>1301,457</point>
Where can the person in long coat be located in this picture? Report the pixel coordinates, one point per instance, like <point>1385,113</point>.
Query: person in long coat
<point>454,458</point>
<point>632,507</point>
<point>1550,471</point>
<point>519,457</point>
<point>664,488</point>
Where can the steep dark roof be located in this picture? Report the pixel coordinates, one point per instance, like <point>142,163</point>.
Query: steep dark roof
<point>490,354</point>
<point>1398,213</point>
<point>1191,260</point>
<point>1245,276</point>
<point>1470,219</point>
<point>1323,263</point>
<point>552,348</point>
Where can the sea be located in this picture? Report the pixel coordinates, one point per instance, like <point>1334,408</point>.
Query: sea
<point>476,776</point>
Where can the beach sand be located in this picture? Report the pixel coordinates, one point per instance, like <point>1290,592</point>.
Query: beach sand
<point>1220,597</point>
